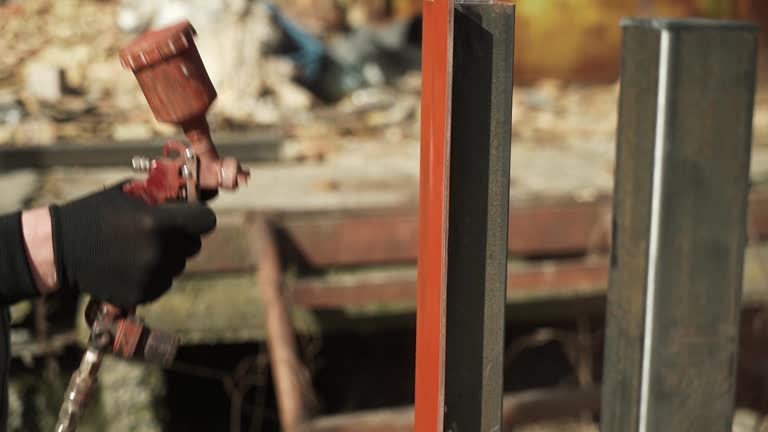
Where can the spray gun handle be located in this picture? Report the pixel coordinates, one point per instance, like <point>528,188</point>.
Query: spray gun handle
<point>182,174</point>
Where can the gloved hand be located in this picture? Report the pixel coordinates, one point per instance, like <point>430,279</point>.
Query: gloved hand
<point>121,250</point>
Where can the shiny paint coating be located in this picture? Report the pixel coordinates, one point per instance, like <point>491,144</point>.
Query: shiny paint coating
<point>430,337</point>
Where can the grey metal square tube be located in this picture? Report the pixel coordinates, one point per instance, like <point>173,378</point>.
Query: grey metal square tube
<point>478,210</point>
<point>680,200</point>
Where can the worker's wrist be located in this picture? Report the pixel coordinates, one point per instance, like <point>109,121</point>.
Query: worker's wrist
<point>38,239</point>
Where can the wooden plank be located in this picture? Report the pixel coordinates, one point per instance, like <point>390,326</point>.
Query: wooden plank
<point>355,290</point>
<point>334,239</point>
<point>522,407</point>
<point>551,280</point>
<point>560,228</point>
<point>354,238</point>
<point>383,420</point>
<point>758,214</point>
<point>377,237</point>
<point>400,286</point>
<point>347,238</point>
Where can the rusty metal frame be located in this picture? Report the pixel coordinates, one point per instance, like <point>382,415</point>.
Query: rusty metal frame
<point>292,391</point>
<point>567,278</point>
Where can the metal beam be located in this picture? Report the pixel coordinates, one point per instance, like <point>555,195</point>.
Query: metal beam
<point>680,212</point>
<point>253,147</point>
<point>293,392</point>
<point>478,209</point>
<point>433,222</point>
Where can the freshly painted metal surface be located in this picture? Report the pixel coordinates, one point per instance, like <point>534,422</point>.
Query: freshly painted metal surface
<point>433,223</point>
<point>464,177</point>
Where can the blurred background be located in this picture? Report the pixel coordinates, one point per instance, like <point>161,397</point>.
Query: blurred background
<point>321,99</point>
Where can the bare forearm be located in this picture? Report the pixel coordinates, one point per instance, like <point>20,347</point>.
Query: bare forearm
<point>36,228</point>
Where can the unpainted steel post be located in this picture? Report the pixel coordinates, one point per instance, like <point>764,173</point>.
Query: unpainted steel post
<point>679,228</point>
<point>464,204</point>
<point>478,214</point>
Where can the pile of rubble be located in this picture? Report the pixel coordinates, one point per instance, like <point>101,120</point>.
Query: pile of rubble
<point>61,80</point>
<point>58,75</point>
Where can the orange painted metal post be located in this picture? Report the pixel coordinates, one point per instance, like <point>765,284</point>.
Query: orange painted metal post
<point>467,80</point>
<point>430,335</point>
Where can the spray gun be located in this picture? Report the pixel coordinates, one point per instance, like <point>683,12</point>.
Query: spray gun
<point>172,76</point>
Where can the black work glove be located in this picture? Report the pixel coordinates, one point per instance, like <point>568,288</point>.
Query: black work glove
<point>120,249</point>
